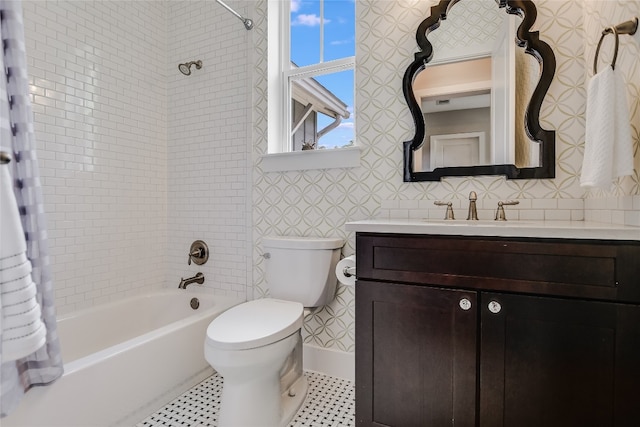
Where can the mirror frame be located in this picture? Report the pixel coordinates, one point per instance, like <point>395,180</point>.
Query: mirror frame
<point>530,41</point>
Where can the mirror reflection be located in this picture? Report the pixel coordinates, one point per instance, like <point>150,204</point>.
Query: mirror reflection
<point>478,84</point>
<point>474,91</point>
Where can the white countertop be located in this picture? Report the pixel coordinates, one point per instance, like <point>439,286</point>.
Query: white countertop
<point>540,229</point>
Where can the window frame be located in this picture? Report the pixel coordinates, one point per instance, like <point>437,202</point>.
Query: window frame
<point>280,76</point>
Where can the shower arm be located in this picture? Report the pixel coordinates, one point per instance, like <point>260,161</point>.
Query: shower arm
<point>248,23</point>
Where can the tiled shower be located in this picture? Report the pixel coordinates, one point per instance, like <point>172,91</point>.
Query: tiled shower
<point>137,159</point>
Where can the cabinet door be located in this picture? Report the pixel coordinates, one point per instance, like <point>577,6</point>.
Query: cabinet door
<point>415,355</point>
<point>554,362</point>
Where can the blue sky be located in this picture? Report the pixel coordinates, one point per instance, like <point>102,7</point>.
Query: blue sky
<point>339,42</point>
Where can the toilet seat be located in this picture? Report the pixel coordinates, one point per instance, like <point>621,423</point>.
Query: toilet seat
<point>255,324</point>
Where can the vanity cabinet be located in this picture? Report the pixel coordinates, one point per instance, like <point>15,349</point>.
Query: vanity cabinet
<point>487,331</point>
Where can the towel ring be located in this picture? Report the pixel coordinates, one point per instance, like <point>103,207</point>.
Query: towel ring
<point>610,30</point>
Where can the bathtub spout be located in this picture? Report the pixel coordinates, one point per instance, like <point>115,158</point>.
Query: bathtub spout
<point>198,278</point>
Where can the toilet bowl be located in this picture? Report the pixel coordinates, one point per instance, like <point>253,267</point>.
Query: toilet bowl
<point>249,346</point>
<point>257,346</point>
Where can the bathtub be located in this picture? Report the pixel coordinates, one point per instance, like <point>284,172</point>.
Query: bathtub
<point>124,360</point>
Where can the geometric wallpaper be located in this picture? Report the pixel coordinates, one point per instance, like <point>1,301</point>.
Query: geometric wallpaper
<point>320,202</point>
<point>469,27</point>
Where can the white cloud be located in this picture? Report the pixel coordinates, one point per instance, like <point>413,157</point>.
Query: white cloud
<point>295,5</point>
<point>311,20</point>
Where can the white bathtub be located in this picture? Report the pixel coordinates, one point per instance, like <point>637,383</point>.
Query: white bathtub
<point>124,360</point>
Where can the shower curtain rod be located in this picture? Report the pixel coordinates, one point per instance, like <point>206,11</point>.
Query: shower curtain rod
<point>248,23</point>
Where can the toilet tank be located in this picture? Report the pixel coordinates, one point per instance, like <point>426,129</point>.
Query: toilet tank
<point>302,269</point>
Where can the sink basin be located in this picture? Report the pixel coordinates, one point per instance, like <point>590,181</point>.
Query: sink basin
<point>482,222</point>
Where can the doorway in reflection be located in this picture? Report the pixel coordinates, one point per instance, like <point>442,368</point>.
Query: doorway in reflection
<point>456,103</point>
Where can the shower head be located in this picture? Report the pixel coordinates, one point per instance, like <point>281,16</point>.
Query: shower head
<point>186,67</point>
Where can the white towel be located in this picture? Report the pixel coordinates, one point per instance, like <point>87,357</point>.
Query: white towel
<point>12,241</point>
<point>12,261</point>
<point>608,152</point>
<point>23,331</point>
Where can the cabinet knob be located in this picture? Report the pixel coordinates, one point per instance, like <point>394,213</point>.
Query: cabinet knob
<point>495,307</point>
<point>465,304</point>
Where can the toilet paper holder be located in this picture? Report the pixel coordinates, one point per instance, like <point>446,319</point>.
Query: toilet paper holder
<point>346,271</point>
<point>349,271</point>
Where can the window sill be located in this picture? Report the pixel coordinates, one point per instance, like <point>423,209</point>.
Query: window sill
<point>334,158</point>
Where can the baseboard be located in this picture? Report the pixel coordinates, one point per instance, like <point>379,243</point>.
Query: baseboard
<point>335,363</point>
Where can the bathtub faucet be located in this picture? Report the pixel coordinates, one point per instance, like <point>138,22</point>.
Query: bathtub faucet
<point>198,278</point>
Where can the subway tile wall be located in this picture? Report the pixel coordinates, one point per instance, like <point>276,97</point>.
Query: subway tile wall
<point>208,144</point>
<point>130,148</point>
<point>98,84</point>
<point>624,210</point>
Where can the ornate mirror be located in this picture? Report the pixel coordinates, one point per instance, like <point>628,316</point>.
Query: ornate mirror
<point>475,91</point>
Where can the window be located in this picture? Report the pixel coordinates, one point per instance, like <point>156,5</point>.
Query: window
<point>311,75</point>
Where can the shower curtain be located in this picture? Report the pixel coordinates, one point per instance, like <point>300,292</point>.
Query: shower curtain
<point>16,136</point>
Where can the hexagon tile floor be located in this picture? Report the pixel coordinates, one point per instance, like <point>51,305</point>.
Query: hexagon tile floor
<point>329,402</point>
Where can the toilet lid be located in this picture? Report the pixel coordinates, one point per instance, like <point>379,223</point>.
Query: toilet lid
<point>255,324</point>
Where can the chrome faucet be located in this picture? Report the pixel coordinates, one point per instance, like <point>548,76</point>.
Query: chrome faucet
<point>198,278</point>
<point>473,211</point>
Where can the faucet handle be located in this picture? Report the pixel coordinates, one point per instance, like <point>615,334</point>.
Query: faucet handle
<point>198,253</point>
<point>449,214</point>
<point>500,215</point>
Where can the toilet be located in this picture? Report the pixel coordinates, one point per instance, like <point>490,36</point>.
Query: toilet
<point>256,346</point>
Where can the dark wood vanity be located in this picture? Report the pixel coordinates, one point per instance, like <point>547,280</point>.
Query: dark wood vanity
<point>491,331</point>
